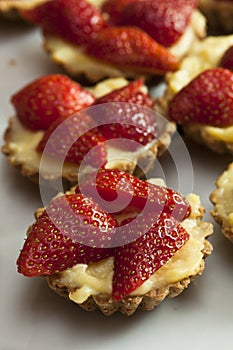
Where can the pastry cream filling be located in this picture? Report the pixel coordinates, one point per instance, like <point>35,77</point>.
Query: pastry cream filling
<point>6,5</point>
<point>203,55</point>
<point>76,61</point>
<point>224,204</point>
<point>85,280</point>
<point>23,142</point>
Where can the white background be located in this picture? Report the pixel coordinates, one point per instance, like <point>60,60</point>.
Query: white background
<point>33,317</point>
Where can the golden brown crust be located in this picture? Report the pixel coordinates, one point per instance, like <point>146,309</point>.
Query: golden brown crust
<point>145,159</point>
<point>220,213</point>
<point>197,132</point>
<point>130,304</point>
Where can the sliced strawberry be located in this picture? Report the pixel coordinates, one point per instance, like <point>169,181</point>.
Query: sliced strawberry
<point>165,21</point>
<point>208,99</point>
<point>117,192</point>
<point>227,59</point>
<point>127,121</point>
<point>75,21</point>
<point>72,139</point>
<point>130,93</point>
<point>137,261</point>
<point>114,8</point>
<point>48,98</point>
<point>72,230</point>
<point>131,48</point>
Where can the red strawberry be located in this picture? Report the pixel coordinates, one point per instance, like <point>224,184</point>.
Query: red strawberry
<point>116,191</point>
<point>72,139</point>
<point>75,21</point>
<point>72,230</point>
<point>114,8</point>
<point>48,98</point>
<point>227,59</point>
<point>137,261</point>
<point>208,99</point>
<point>131,48</point>
<point>165,21</point>
<point>127,121</point>
<point>130,93</point>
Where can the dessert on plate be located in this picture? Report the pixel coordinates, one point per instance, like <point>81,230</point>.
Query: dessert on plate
<point>219,14</point>
<point>199,94</point>
<point>221,197</point>
<point>125,38</point>
<point>58,121</point>
<point>117,243</point>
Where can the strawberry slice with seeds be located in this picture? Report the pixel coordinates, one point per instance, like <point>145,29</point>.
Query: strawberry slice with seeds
<point>116,191</point>
<point>71,230</point>
<point>48,98</point>
<point>75,21</point>
<point>131,48</point>
<point>74,140</point>
<point>127,121</point>
<point>131,93</point>
<point>227,59</point>
<point>207,99</point>
<point>165,21</point>
<point>137,261</point>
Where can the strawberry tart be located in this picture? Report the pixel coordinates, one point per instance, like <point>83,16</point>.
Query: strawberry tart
<point>199,94</point>
<point>36,145</point>
<point>100,39</point>
<point>221,197</point>
<point>102,255</point>
<point>219,14</point>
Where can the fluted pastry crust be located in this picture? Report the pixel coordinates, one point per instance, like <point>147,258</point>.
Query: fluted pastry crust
<point>221,197</point>
<point>130,304</point>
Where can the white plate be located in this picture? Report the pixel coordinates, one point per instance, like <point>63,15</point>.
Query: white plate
<point>33,317</point>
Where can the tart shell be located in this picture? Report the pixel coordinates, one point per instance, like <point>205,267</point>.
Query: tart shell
<point>146,159</point>
<point>219,213</point>
<point>130,304</point>
<point>146,302</point>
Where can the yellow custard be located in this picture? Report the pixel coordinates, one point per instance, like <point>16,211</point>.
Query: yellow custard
<point>203,55</point>
<point>224,194</point>
<point>22,142</point>
<point>76,61</point>
<point>85,280</point>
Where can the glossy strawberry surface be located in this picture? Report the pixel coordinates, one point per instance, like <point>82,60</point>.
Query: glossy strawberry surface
<point>132,48</point>
<point>48,98</point>
<point>208,100</point>
<point>75,21</point>
<point>74,140</point>
<point>116,191</point>
<point>72,230</point>
<point>165,21</point>
<point>127,122</point>
<point>137,261</point>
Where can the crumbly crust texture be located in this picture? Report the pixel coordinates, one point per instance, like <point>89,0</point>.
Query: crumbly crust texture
<point>130,304</point>
<point>146,159</point>
<point>146,302</point>
<point>219,212</point>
